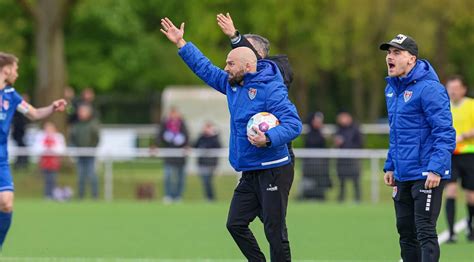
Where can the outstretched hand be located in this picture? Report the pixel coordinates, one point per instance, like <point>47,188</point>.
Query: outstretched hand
<point>226,24</point>
<point>59,105</point>
<point>174,34</point>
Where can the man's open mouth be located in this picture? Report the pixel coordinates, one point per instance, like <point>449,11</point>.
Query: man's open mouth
<point>391,65</point>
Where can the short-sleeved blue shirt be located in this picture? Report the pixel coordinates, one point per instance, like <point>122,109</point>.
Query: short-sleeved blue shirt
<point>9,101</point>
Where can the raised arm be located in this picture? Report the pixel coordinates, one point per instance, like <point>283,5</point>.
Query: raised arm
<point>174,34</point>
<point>33,113</point>
<point>236,39</point>
<point>196,61</point>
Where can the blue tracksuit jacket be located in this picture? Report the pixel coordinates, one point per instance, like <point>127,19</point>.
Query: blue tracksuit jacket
<point>422,136</point>
<point>263,91</point>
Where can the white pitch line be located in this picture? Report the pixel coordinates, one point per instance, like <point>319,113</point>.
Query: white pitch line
<point>444,236</point>
<point>458,227</point>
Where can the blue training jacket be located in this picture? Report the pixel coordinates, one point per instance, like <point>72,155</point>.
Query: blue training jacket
<point>263,91</point>
<point>422,136</point>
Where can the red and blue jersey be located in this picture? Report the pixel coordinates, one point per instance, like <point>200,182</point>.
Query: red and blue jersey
<point>9,101</point>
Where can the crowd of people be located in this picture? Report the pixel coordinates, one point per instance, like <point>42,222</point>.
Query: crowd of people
<point>50,144</point>
<point>316,179</point>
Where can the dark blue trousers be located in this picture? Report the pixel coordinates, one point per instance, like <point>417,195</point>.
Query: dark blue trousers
<point>262,193</point>
<point>417,210</point>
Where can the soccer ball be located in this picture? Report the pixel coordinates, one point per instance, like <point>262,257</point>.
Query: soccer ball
<point>263,120</point>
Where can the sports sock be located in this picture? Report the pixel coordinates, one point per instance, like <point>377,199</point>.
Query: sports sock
<point>450,214</point>
<point>470,209</point>
<point>5,222</point>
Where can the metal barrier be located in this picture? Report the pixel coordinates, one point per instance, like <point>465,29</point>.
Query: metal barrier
<point>110,156</point>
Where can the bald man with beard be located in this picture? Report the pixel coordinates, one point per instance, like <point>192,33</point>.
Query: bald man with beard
<point>251,87</point>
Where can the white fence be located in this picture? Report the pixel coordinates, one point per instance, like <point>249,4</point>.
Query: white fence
<point>119,154</point>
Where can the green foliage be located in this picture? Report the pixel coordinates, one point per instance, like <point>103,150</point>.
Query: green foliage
<point>116,46</point>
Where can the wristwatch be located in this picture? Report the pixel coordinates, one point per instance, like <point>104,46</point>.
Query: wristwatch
<point>236,37</point>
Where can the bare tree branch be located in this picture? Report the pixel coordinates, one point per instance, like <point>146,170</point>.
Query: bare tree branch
<point>66,6</point>
<point>29,9</point>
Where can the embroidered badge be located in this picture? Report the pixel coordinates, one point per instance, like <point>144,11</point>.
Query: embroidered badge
<point>6,105</point>
<point>399,39</point>
<point>394,193</point>
<point>252,93</point>
<point>407,95</point>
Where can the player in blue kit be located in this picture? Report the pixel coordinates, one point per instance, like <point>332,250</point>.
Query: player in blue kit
<point>11,101</point>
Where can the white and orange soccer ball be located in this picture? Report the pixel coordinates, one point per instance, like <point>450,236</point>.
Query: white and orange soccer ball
<point>264,121</point>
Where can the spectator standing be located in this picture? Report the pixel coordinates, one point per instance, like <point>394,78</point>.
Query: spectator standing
<point>348,136</point>
<point>85,133</point>
<point>209,139</point>
<point>173,134</point>
<point>315,180</point>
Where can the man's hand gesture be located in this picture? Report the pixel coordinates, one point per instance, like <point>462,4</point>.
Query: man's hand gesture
<point>59,105</point>
<point>388,178</point>
<point>432,180</point>
<point>226,24</point>
<point>174,34</point>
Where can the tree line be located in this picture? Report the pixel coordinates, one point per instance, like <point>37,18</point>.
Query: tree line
<point>115,46</point>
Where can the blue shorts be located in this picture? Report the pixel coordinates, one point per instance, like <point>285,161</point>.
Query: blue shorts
<point>6,181</point>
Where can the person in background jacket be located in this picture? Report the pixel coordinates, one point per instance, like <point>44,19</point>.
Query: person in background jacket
<point>315,180</point>
<point>261,47</point>
<point>422,139</point>
<point>348,136</point>
<point>49,144</point>
<point>267,173</point>
<point>209,139</point>
<point>85,133</point>
<point>173,133</point>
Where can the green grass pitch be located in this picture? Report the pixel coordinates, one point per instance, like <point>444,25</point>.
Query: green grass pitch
<point>195,231</point>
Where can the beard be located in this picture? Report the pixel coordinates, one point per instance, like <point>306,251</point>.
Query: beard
<point>10,80</point>
<point>237,78</point>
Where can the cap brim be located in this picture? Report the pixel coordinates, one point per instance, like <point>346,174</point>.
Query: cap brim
<point>386,46</point>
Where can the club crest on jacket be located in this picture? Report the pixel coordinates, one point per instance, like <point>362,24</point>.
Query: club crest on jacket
<point>407,95</point>
<point>6,105</point>
<point>252,93</point>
